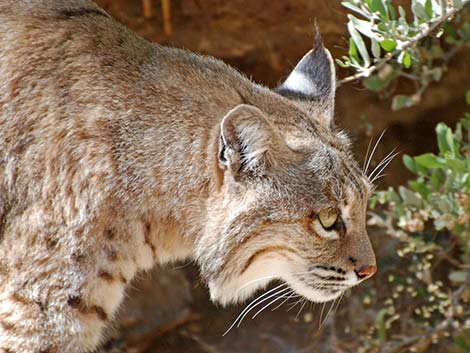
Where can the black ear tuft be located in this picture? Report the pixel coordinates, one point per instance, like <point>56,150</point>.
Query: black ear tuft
<point>313,78</point>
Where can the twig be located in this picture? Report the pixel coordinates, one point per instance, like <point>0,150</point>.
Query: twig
<point>423,34</point>
<point>147,8</point>
<point>438,331</point>
<point>166,13</point>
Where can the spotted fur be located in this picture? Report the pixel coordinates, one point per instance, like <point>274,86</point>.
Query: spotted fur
<point>117,154</point>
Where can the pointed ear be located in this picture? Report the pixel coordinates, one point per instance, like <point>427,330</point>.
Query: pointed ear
<point>246,139</point>
<point>313,79</point>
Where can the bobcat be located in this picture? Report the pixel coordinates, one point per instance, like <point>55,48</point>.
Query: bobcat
<point>117,154</point>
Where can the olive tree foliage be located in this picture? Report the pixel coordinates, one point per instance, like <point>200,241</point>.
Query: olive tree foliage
<point>388,42</point>
<point>423,304</point>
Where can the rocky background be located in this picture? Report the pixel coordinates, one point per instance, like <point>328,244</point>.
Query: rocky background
<point>168,311</point>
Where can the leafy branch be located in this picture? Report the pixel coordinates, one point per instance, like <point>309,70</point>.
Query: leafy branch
<point>429,221</point>
<point>412,49</point>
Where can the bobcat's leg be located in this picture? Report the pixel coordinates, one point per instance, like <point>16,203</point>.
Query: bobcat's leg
<point>58,291</point>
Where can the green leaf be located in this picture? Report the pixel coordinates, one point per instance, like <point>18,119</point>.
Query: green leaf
<point>458,276</point>
<point>392,11</point>
<point>436,73</point>
<point>409,163</point>
<point>407,60</point>
<point>462,344</point>
<point>354,8</point>
<point>466,180</point>
<point>429,160</point>
<point>419,11</point>
<point>401,11</point>
<point>437,51</point>
<point>458,133</point>
<point>450,30</point>
<point>375,47</point>
<point>420,188</point>
<point>437,179</point>
<point>457,3</point>
<point>365,27</point>
<point>441,132</point>
<point>353,50</point>
<point>428,8</point>
<point>357,38</point>
<point>376,84</point>
<point>444,205</point>
<point>450,142</point>
<point>378,6</point>
<point>401,101</point>
<point>456,165</point>
<point>467,97</point>
<point>388,44</point>
<point>380,324</point>
<point>410,198</point>
<point>341,63</point>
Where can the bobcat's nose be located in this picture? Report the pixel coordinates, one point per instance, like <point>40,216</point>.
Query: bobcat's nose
<point>366,272</point>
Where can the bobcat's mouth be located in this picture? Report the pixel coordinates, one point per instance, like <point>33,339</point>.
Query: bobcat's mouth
<point>316,292</point>
<point>322,284</point>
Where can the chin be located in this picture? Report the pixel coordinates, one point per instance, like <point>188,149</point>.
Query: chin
<point>314,294</point>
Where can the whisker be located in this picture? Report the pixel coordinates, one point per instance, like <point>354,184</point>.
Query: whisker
<point>328,313</point>
<point>379,177</point>
<point>367,155</point>
<point>249,306</point>
<point>292,295</point>
<point>321,315</point>
<point>262,301</point>
<point>267,305</point>
<point>373,151</point>
<point>384,161</point>
<point>300,310</point>
<point>338,304</point>
<point>294,305</point>
<point>385,165</point>
<point>256,280</point>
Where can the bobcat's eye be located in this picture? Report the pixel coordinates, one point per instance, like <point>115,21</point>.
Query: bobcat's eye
<point>327,224</point>
<point>328,217</point>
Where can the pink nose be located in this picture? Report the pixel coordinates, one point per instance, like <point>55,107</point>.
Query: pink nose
<point>366,272</point>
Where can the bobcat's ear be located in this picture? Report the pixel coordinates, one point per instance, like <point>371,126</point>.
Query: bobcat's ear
<point>246,139</point>
<point>313,79</point>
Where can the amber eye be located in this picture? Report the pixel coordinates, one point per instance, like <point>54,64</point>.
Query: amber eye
<point>327,217</point>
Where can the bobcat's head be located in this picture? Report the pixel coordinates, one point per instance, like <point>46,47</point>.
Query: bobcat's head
<point>292,201</point>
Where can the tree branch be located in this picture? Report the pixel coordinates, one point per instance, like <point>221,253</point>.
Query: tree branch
<point>423,34</point>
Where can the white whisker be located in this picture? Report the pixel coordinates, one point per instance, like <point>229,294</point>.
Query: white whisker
<point>262,301</point>
<point>249,306</point>
<point>256,280</point>
<point>254,304</point>
<point>384,161</point>
<point>292,295</point>
<point>378,177</point>
<point>300,310</point>
<point>339,302</point>
<point>321,314</point>
<point>294,305</point>
<point>384,165</point>
<point>373,151</point>
<point>327,314</point>
<point>365,157</point>
<point>267,305</point>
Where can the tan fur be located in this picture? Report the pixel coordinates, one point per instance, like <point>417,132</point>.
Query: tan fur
<point>117,154</point>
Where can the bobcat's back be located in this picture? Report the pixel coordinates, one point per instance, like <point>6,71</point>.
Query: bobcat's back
<point>88,111</point>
